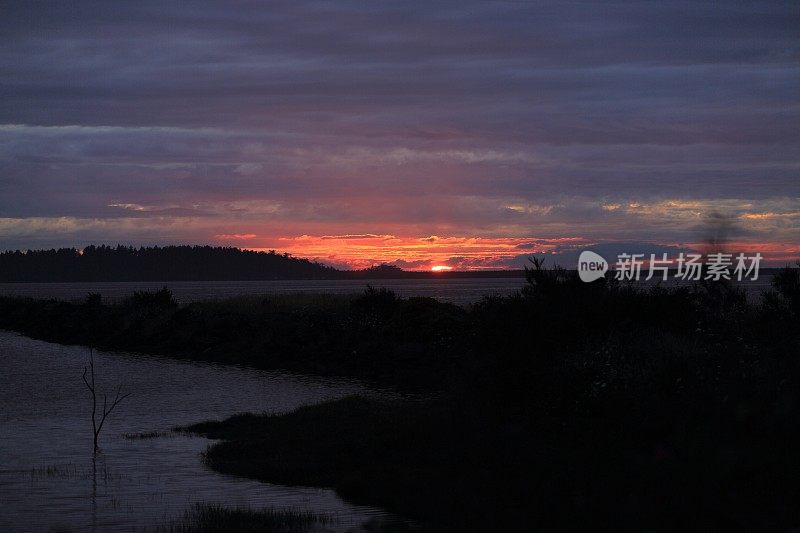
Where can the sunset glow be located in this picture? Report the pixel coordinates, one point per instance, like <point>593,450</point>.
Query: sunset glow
<point>393,136</point>
<point>436,266</point>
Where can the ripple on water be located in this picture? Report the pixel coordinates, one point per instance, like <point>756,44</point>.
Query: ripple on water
<point>48,477</point>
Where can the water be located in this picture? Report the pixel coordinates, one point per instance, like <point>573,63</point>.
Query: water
<point>48,479</point>
<point>459,291</point>
<point>47,476</point>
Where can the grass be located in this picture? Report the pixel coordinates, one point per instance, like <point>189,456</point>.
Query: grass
<point>375,335</point>
<point>667,453</point>
<point>207,518</point>
<point>590,407</point>
<point>391,454</point>
<point>566,406</point>
<point>147,435</point>
<point>71,471</point>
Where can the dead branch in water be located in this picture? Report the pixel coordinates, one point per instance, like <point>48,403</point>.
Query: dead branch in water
<point>118,397</point>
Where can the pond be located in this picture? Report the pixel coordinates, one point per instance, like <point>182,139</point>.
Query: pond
<point>49,480</point>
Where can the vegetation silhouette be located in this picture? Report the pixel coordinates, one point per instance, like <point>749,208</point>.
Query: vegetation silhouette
<point>168,263</point>
<point>589,406</point>
<point>565,406</point>
<point>187,263</point>
<point>209,518</point>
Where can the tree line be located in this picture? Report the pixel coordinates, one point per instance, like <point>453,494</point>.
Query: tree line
<point>156,263</point>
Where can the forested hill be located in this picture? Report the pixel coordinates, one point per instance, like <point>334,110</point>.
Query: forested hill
<point>168,263</point>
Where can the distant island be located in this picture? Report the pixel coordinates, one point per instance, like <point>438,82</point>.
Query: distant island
<point>189,263</point>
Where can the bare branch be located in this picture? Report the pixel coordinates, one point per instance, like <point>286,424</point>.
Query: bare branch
<point>117,402</point>
<point>118,397</point>
<point>86,381</point>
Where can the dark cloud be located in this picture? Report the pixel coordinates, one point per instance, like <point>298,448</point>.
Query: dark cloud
<point>453,118</point>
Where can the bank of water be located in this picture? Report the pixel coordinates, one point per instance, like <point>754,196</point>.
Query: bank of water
<point>49,478</point>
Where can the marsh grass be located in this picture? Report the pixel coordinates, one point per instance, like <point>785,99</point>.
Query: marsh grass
<point>565,406</point>
<point>209,518</point>
<point>68,471</point>
<point>148,435</point>
<point>374,335</point>
<point>576,407</point>
<point>292,301</point>
<point>72,471</point>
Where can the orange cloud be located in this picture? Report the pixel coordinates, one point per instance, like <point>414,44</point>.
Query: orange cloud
<point>415,253</point>
<point>236,236</point>
<point>356,236</point>
<point>472,253</point>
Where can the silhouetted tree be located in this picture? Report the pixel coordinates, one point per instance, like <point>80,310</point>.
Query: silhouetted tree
<point>168,263</point>
<point>107,409</point>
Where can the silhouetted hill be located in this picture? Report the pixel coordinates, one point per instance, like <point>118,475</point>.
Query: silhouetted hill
<point>168,263</point>
<point>190,263</point>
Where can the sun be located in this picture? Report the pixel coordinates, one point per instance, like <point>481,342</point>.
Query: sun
<point>441,268</point>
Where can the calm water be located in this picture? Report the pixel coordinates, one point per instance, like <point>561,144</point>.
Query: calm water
<point>458,291</point>
<point>47,476</point>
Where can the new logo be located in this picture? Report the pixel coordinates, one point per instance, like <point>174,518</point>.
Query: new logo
<point>591,266</point>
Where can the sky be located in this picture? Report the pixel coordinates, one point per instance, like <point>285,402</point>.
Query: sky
<point>470,134</point>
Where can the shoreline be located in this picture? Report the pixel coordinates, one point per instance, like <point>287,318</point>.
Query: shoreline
<point>567,406</point>
<point>326,335</point>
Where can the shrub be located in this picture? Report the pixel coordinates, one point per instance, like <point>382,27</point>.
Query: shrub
<point>161,299</point>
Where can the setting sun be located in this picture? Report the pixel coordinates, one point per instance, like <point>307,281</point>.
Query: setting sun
<point>441,268</point>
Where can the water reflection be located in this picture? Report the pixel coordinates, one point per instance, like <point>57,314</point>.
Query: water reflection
<point>50,478</point>
<point>459,291</point>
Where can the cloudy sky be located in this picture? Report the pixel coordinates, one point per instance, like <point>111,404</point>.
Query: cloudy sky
<point>466,133</point>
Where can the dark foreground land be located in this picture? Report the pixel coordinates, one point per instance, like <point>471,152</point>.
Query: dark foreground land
<point>567,406</point>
